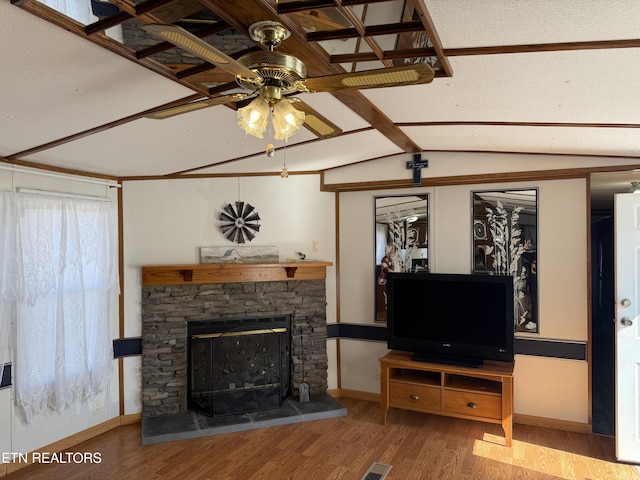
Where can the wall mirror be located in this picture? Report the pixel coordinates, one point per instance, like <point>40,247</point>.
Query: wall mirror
<point>505,242</point>
<point>401,241</point>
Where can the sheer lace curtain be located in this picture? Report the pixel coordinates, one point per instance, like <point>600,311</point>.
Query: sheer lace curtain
<point>59,271</point>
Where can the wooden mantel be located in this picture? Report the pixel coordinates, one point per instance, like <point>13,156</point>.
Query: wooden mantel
<point>153,275</point>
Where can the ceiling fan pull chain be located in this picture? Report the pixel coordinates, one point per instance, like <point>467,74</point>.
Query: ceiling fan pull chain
<point>285,172</point>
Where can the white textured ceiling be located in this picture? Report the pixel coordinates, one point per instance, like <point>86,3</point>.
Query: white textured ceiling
<point>54,84</point>
<point>473,23</point>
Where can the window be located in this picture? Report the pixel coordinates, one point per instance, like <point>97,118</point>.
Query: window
<point>63,280</point>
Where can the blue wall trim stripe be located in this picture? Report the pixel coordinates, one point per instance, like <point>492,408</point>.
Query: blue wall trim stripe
<point>552,348</point>
<point>523,346</point>
<point>5,376</point>
<point>361,332</point>
<point>125,347</point>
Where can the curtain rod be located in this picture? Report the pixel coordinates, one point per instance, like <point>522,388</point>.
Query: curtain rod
<point>63,176</point>
<point>37,191</point>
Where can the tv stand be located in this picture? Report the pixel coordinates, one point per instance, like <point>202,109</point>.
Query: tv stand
<point>458,361</point>
<point>484,393</point>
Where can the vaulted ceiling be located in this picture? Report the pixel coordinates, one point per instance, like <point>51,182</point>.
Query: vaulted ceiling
<point>543,76</point>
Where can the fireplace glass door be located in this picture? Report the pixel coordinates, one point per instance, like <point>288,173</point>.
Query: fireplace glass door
<point>243,369</point>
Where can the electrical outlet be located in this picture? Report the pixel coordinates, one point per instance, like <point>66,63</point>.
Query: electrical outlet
<point>377,373</point>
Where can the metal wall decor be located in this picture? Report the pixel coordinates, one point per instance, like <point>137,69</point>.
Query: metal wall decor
<point>505,242</point>
<point>239,224</point>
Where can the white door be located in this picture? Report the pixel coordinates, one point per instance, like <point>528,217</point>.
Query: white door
<point>627,262</point>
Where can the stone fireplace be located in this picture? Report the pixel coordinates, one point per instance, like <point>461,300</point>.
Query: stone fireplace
<point>176,299</point>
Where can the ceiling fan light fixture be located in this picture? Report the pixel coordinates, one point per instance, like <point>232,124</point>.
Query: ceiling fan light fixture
<point>253,118</point>
<point>287,120</point>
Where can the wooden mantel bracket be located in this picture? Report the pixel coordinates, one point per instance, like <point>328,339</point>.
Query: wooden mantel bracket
<point>233,272</point>
<point>187,275</point>
<point>291,271</point>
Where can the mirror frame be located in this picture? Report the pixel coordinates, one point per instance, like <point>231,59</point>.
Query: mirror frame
<point>401,241</point>
<point>504,241</point>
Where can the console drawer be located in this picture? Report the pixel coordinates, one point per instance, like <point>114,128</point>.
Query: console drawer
<point>414,397</point>
<point>473,404</point>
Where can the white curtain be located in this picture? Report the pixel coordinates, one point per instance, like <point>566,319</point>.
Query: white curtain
<point>62,277</point>
<point>8,270</point>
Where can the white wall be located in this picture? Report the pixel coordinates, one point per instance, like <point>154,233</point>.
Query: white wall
<point>562,262</point>
<point>165,221</point>
<point>15,435</point>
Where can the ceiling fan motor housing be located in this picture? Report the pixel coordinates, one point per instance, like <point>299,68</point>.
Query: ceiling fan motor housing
<point>274,68</point>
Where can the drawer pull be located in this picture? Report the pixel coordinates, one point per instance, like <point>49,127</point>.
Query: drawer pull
<point>414,397</point>
<point>472,405</point>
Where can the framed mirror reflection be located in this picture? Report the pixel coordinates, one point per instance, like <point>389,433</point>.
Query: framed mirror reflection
<point>505,242</point>
<point>401,241</point>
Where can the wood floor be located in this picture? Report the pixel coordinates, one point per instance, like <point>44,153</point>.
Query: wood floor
<point>417,445</point>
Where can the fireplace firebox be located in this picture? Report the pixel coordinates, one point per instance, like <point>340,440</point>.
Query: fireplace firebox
<point>238,365</point>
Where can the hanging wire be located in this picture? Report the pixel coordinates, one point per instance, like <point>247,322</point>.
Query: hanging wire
<point>285,172</point>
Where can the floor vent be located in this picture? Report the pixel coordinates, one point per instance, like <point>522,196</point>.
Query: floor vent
<point>377,471</point>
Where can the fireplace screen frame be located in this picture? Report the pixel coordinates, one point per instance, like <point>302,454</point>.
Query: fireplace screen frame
<point>238,365</point>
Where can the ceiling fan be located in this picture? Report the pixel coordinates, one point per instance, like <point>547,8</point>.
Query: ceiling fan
<point>271,77</point>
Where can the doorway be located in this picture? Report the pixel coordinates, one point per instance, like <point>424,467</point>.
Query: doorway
<point>602,324</point>
<point>603,187</point>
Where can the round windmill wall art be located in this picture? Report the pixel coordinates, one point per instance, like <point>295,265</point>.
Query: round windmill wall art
<point>239,222</point>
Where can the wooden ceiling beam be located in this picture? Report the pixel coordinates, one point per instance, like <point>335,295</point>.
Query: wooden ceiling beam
<point>429,26</point>
<point>357,102</point>
<point>373,30</point>
<point>543,47</point>
<point>305,5</point>
<point>107,22</point>
<point>387,55</point>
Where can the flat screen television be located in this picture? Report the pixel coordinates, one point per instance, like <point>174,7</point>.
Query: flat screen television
<point>460,319</point>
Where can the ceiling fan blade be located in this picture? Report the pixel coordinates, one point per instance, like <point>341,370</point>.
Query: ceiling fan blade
<point>190,107</point>
<point>412,74</point>
<point>317,124</point>
<point>188,41</point>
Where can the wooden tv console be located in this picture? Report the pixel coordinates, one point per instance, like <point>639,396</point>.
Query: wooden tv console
<point>484,393</point>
